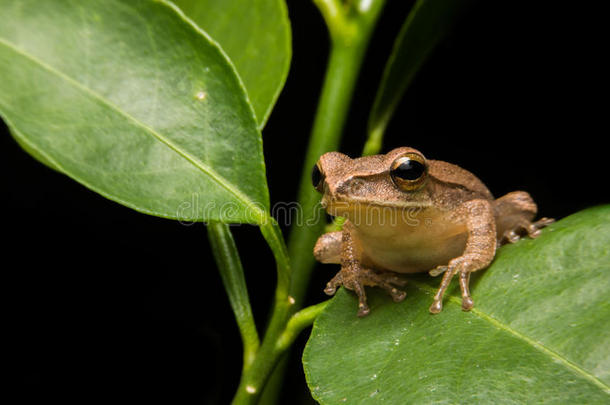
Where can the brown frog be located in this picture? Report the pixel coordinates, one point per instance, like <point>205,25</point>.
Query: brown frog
<point>407,214</point>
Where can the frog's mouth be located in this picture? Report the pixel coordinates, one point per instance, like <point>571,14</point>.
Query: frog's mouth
<point>354,207</point>
<point>337,208</point>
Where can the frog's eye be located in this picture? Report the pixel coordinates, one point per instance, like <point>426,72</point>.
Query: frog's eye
<point>409,171</point>
<point>317,178</point>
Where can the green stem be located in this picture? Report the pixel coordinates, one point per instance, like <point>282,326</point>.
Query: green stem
<point>232,274</point>
<point>254,379</point>
<point>273,235</point>
<point>298,322</point>
<point>374,141</point>
<point>338,87</point>
<point>332,12</point>
<point>350,28</point>
<point>350,32</point>
<point>283,302</point>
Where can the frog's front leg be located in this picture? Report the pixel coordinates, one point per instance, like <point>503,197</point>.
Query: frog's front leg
<point>478,254</point>
<point>353,276</point>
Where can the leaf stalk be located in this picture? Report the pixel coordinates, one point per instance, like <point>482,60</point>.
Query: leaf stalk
<point>232,274</point>
<point>298,322</point>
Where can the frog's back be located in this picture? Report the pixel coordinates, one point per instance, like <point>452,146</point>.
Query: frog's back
<point>462,181</point>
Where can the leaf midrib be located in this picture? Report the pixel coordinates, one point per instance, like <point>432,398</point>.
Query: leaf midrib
<point>220,180</point>
<point>537,345</point>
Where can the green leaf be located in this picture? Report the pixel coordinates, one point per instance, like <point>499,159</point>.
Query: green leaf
<point>133,101</point>
<point>424,28</point>
<point>539,331</point>
<point>255,34</point>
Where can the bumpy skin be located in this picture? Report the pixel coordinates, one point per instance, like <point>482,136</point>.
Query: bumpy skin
<point>451,225</point>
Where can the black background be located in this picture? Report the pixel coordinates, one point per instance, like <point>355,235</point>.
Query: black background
<point>104,303</point>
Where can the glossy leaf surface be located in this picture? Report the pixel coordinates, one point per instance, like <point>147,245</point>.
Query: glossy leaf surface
<point>133,101</point>
<point>255,34</point>
<point>539,331</point>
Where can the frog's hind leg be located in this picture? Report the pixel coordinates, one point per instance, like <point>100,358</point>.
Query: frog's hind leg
<point>531,229</point>
<point>514,213</point>
<point>385,280</point>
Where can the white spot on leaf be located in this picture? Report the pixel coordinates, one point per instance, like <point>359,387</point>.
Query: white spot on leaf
<point>365,5</point>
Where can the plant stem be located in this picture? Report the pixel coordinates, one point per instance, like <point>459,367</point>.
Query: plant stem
<point>298,322</point>
<point>255,376</point>
<point>232,274</point>
<point>338,87</point>
<point>350,29</point>
<point>350,32</point>
<point>374,141</point>
<point>273,235</point>
<point>253,380</point>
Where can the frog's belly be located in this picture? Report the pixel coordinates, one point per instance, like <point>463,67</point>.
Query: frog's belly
<point>405,248</point>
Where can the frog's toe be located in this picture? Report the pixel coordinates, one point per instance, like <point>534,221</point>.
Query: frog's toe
<point>397,295</point>
<point>533,229</point>
<point>387,281</point>
<point>438,271</point>
<point>363,309</point>
<point>332,285</point>
<point>330,289</point>
<point>436,307</point>
<point>511,236</point>
<point>394,279</point>
<point>467,303</point>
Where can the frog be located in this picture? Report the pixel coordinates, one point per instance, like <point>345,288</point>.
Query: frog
<point>406,214</point>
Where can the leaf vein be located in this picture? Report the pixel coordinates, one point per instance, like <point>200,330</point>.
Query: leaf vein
<point>537,345</point>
